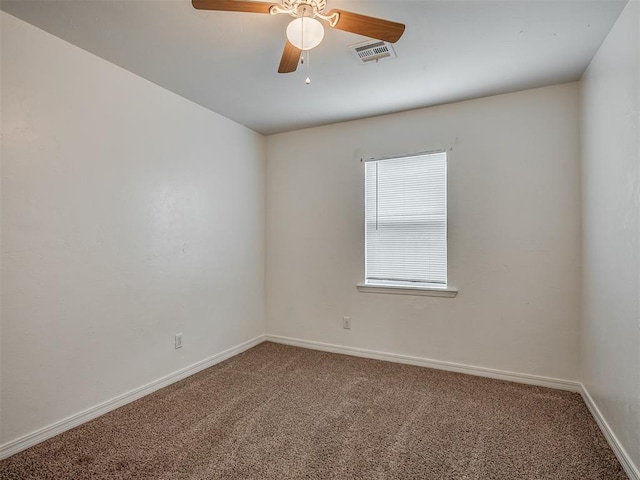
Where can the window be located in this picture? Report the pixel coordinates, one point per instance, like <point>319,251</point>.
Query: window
<point>406,221</point>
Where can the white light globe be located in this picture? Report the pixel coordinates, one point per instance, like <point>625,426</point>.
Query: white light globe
<point>312,30</point>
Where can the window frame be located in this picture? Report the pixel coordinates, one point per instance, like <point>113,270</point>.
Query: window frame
<point>399,288</point>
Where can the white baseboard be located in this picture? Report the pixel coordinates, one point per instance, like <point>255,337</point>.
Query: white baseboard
<point>625,460</point>
<point>31,439</point>
<point>556,383</point>
<point>623,457</point>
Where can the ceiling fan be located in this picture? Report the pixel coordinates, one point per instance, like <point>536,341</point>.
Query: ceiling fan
<point>306,32</point>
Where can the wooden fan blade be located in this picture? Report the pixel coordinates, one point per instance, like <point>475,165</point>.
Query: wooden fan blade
<point>233,6</point>
<point>290,58</point>
<point>368,26</point>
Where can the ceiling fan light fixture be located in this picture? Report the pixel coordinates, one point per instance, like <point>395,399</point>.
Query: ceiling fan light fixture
<point>305,33</point>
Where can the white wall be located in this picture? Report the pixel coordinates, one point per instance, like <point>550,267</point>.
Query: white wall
<point>514,234</point>
<point>610,101</point>
<point>128,214</point>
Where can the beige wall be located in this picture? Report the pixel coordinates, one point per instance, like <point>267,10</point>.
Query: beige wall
<point>129,214</point>
<point>514,234</point>
<point>611,234</point>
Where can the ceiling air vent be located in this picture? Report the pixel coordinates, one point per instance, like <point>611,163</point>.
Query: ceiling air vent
<point>372,51</point>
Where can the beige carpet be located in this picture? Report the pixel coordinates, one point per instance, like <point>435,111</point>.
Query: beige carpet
<point>278,412</point>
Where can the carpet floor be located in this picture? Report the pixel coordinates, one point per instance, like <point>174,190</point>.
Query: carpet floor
<point>280,412</point>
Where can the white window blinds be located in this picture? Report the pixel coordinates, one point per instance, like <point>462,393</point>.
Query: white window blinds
<point>406,220</point>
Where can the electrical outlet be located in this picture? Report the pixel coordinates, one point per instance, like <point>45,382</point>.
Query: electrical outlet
<point>178,340</point>
<point>346,322</point>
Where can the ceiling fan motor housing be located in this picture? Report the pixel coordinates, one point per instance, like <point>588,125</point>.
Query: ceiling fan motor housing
<point>316,6</point>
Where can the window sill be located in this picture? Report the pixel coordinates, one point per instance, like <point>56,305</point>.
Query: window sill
<point>404,290</point>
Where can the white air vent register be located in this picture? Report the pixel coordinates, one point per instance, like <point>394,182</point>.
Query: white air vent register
<point>372,51</point>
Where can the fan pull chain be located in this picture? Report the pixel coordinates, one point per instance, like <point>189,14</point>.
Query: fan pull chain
<point>308,80</point>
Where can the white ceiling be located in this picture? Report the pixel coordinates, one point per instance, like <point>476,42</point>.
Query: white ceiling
<point>227,62</point>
